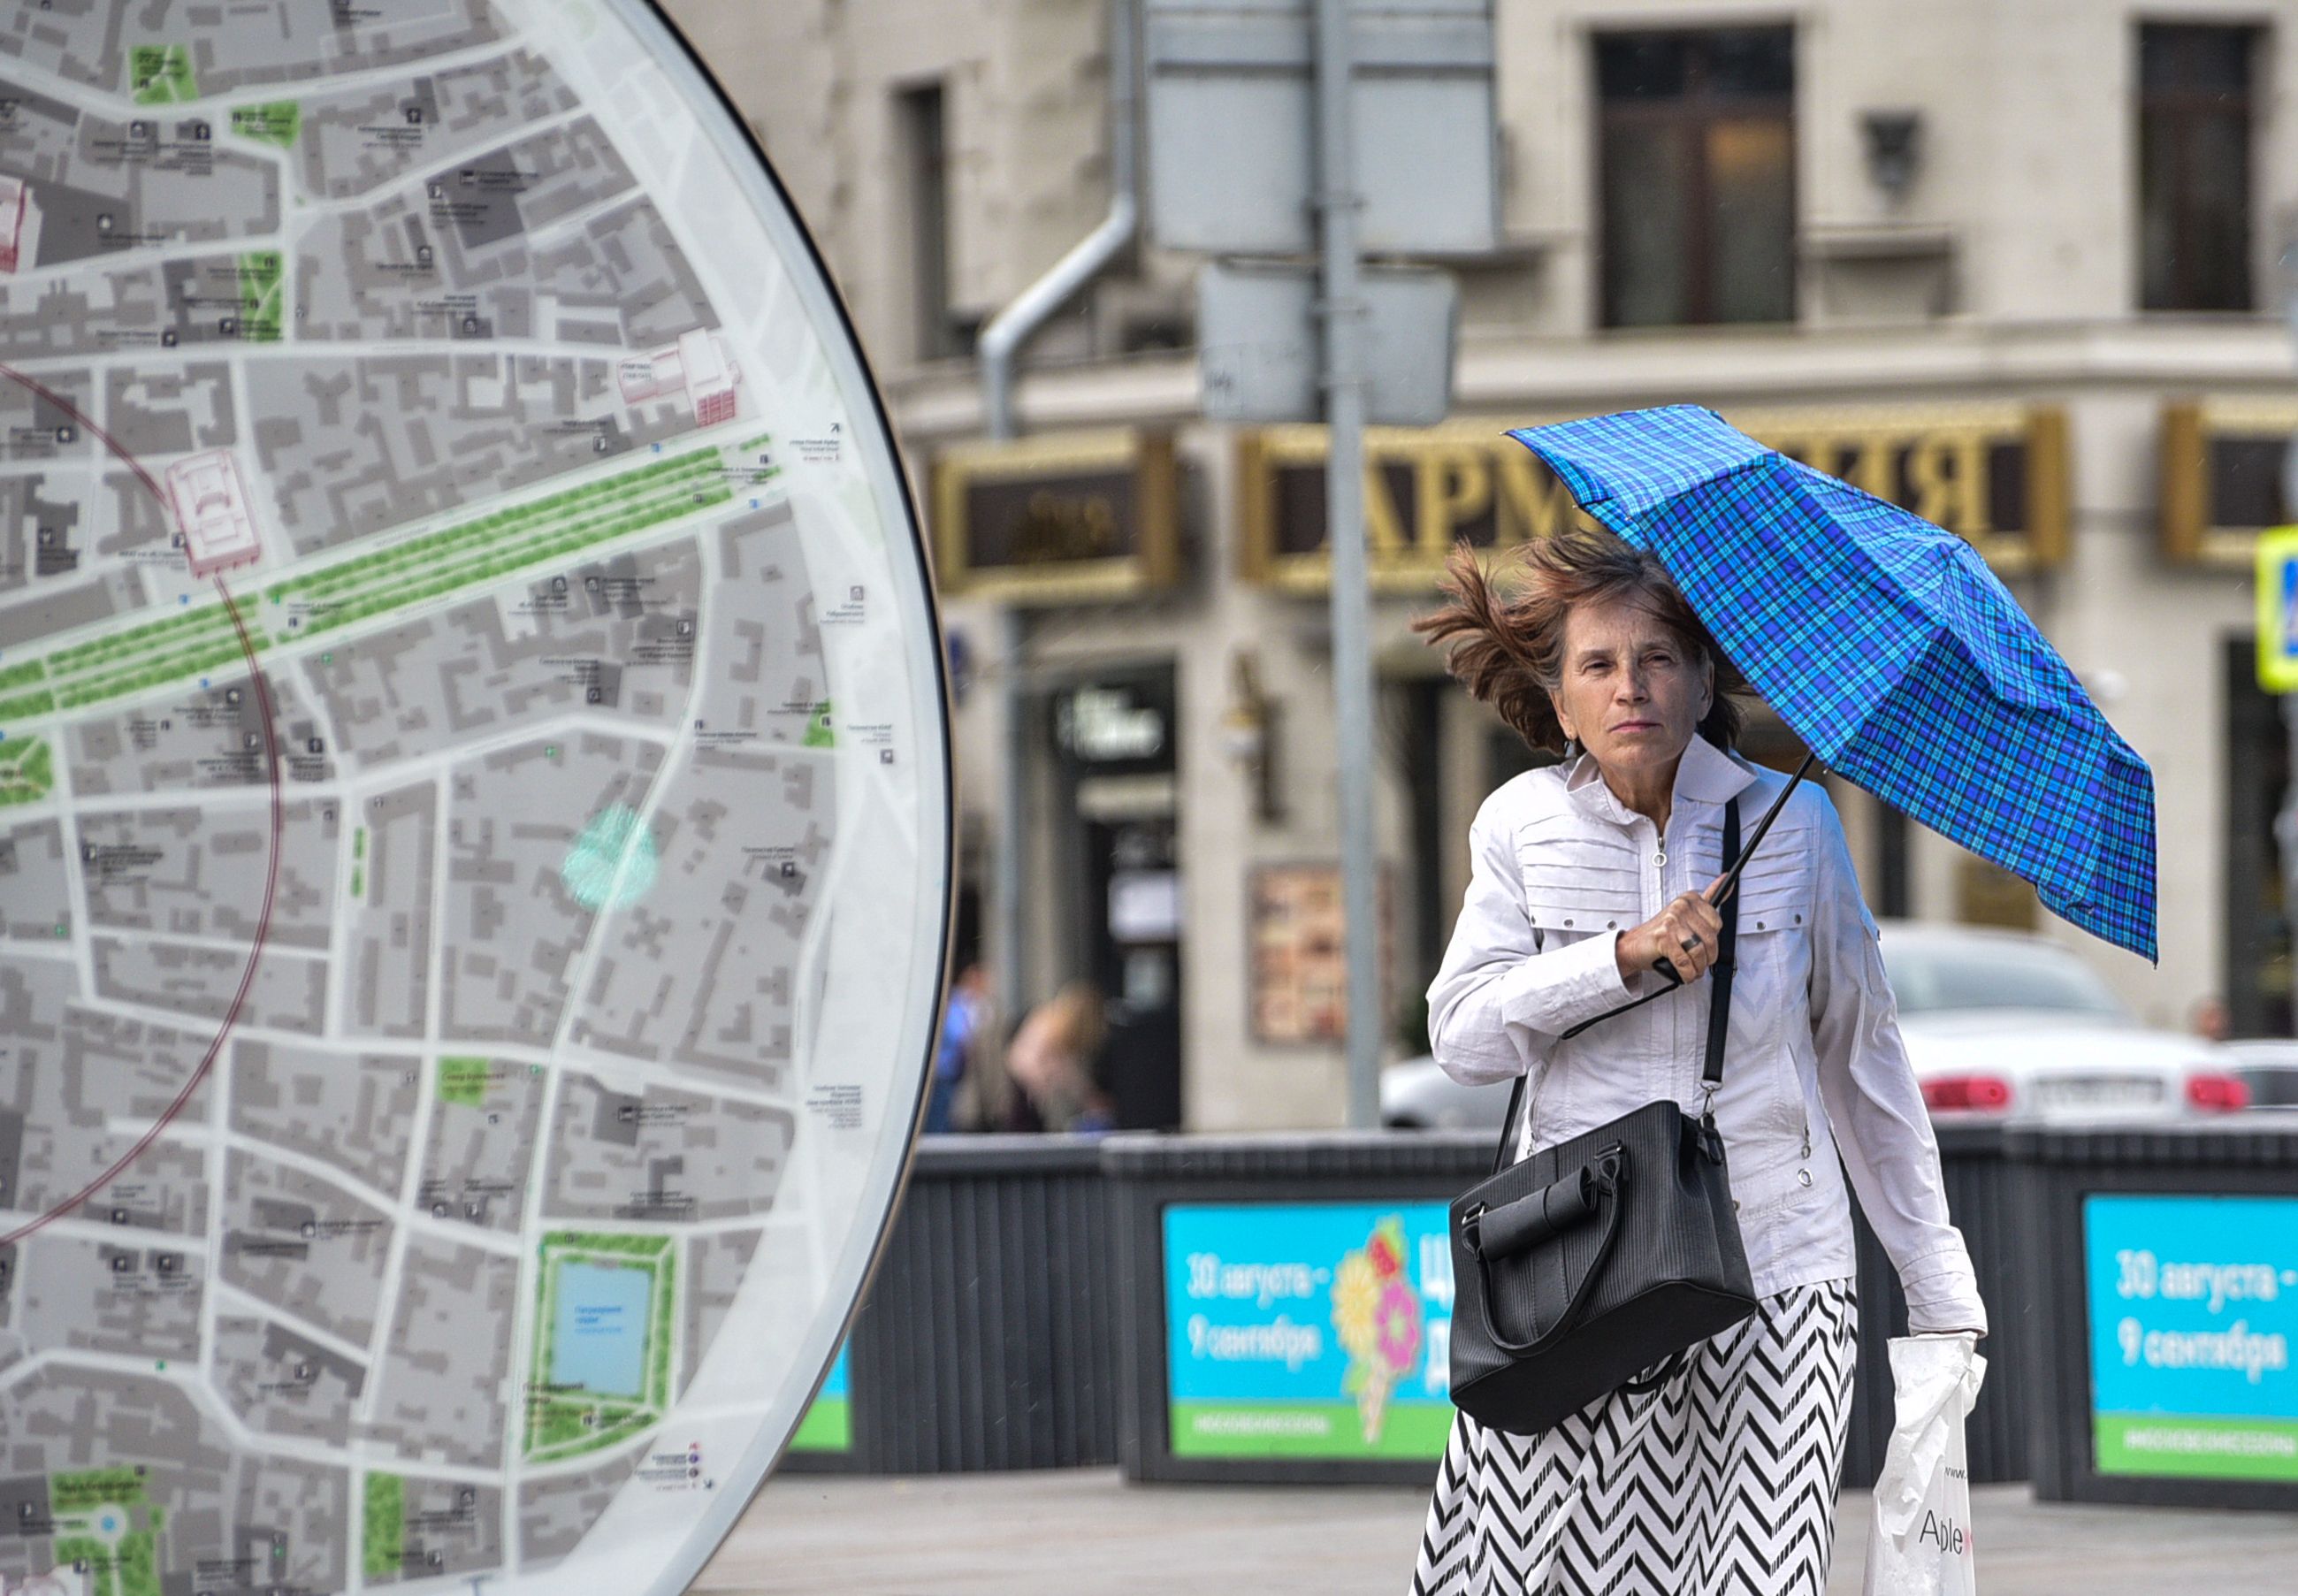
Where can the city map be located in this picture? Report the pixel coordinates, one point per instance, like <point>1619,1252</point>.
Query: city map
<point>473,801</point>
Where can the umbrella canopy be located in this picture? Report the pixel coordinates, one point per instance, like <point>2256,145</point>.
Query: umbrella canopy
<point>1888,647</point>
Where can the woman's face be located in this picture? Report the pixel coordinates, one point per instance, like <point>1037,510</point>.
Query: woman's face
<point>1632,693</point>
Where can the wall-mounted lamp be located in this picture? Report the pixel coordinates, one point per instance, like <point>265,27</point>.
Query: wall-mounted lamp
<point>1249,734</point>
<point>1894,140</point>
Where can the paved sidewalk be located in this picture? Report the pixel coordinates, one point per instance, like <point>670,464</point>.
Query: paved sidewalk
<point>1083,1532</point>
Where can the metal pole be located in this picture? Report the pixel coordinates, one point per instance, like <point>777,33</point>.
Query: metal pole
<point>2285,825</point>
<point>1012,981</point>
<point>1352,683</point>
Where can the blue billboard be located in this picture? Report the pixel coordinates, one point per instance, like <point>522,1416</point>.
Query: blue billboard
<point>1308,1330</point>
<point>829,1424</point>
<point>2194,1306</point>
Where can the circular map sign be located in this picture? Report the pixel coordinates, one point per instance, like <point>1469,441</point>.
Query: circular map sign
<point>473,801</point>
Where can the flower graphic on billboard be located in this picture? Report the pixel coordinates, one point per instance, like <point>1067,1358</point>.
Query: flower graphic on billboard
<point>1377,1316</point>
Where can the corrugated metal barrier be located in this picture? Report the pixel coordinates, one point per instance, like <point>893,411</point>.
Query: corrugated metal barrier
<point>995,1335</point>
<point>988,1340</point>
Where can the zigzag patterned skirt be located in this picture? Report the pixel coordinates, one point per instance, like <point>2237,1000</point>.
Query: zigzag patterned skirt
<point>1712,1474</point>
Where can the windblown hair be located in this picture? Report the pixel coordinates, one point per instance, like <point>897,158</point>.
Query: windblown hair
<point>1508,650</point>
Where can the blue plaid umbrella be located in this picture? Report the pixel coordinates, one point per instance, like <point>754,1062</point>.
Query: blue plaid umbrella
<point>1888,647</point>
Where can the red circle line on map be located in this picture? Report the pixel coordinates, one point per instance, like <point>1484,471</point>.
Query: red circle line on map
<point>278,826</point>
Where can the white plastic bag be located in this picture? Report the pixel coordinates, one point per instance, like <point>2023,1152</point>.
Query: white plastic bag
<point>1919,1541</point>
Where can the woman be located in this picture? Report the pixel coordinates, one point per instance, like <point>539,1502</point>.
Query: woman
<point>1715,1471</point>
<point>1052,1057</point>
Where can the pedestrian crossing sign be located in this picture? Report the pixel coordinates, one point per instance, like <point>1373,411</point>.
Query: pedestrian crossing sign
<point>2277,609</point>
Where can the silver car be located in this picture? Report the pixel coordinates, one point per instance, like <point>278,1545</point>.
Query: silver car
<point>2269,1069</point>
<point>1997,1024</point>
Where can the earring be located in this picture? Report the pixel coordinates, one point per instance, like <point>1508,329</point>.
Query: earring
<point>1572,749</point>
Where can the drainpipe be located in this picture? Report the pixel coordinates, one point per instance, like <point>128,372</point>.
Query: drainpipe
<point>1000,344</point>
<point>1001,341</point>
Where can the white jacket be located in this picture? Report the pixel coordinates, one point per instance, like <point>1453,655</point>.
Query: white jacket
<point>1813,1066</point>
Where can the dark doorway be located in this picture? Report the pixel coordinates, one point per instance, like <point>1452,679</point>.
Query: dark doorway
<point>1136,964</point>
<point>1113,739</point>
<point>2258,922</point>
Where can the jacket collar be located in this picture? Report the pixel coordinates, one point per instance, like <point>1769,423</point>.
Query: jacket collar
<point>1706,774</point>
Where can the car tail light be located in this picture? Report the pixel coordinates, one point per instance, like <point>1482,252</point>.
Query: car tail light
<point>2216,1094</point>
<point>1966,1092</point>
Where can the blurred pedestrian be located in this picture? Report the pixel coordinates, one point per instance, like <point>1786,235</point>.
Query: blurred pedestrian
<point>2210,1020</point>
<point>1715,1470</point>
<point>1053,1059</point>
<point>965,1019</point>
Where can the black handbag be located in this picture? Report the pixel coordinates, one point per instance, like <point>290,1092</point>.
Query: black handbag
<point>1593,1261</point>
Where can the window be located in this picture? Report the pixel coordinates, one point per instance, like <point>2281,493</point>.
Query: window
<point>2193,168</point>
<point>1697,149</point>
<point>926,153</point>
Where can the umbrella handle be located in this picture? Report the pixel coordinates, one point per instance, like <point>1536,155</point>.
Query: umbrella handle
<point>1731,881</point>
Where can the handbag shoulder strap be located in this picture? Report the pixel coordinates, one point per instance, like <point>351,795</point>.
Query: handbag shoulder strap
<point>1719,1011</point>
<point>1719,1007</point>
<point>1507,1124</point>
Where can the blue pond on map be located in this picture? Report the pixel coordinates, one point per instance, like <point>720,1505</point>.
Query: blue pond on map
<point>599,1341</point>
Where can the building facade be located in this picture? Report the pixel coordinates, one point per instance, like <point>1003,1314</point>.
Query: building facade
<point>2016,263</point>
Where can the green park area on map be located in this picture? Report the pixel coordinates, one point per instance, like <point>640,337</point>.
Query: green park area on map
<point>383,1525</point>
<point>818,731</point>
<point>464,1080</point>
<point>602,1345</point>
<point>105,1527</point>
<point>260,295</point>
<point>161,74</point>
<point>27,771</point>
<point>276,121</point>
<point>466,554</point>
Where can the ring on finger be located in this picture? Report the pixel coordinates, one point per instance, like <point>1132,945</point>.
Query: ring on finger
<point>1691,944</point>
